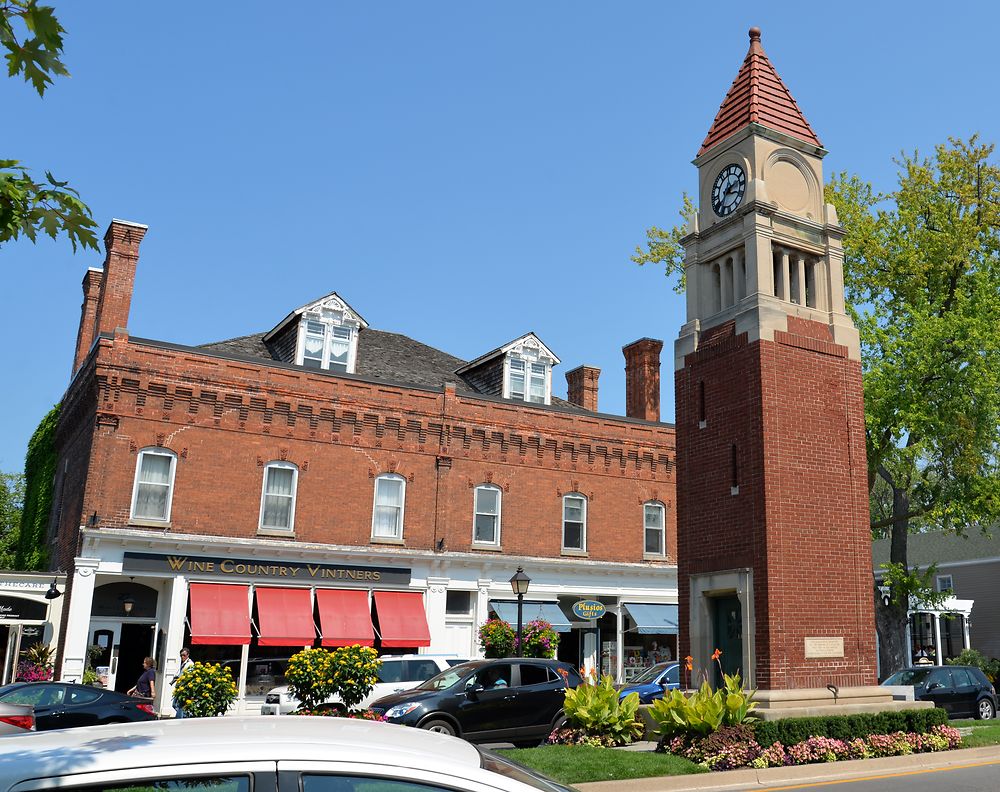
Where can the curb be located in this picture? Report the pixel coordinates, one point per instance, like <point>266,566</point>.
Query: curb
<point>783,776</point>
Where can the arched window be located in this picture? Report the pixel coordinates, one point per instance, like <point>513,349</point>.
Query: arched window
<point>654,518</point>
<point>154,484</point>
<point>277,498</point>
<point>574,532</point>
<point>387,516</point>
<point>486,515</point>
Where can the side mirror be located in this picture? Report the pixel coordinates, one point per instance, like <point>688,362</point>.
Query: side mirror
<point>934,686</point>
<point>472,691</point>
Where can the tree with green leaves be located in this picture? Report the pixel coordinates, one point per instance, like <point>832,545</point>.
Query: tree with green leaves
<point>33,40</point>
<point>922,279</point>
<point>11,504</point>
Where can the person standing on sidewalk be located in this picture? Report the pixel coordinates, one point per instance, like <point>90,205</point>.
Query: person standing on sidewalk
<point>186,663</point>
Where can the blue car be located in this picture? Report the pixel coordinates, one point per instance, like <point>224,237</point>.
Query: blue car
<point>651,683</point>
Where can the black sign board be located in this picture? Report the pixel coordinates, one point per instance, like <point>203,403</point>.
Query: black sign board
<point>294,572</point>
<point>21,609</point>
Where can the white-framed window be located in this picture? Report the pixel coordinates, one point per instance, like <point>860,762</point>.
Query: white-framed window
<point>327,345</point>
<point>486,515</point>
<point>154,484</point>
<point>387,516</point>
<point>277,497</point>
<point>528,381</point>
<point>945,583</point>
<point>574,532</point>
<point>653,518</point>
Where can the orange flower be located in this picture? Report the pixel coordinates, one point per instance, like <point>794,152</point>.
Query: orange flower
<point>716,654</point>
<point>688,662</point>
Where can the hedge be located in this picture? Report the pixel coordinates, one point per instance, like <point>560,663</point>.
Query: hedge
<point>791,731</point>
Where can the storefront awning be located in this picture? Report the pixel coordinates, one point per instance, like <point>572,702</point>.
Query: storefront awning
<point>546,611</point>
<point>285,616</point>
<point>401,618</point>
<point>220,614</point>
<point>653,619</point>
<point>345,617</point>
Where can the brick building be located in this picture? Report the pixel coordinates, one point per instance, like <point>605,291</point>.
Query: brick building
<point>327,482</point>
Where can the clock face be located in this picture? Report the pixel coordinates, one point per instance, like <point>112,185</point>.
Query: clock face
<point>727,192</point>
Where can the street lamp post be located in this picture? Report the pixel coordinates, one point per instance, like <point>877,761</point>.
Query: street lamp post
<point>519,585</point>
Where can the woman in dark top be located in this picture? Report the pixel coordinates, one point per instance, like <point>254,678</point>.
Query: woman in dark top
<point>146,686</point>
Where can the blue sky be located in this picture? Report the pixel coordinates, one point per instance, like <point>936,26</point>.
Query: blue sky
<point>460,172</point>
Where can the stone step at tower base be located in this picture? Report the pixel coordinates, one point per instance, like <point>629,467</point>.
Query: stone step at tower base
<point>814,702</point>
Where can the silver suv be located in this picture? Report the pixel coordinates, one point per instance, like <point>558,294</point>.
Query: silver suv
<point>397,673</point>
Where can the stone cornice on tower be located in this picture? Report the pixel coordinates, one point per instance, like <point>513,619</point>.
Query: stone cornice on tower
<point>758,96</point>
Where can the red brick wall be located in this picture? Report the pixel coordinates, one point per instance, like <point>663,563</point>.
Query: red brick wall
<point>794,409</point>
<point>226,419</point>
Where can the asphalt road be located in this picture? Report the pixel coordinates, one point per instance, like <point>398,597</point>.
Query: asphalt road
<point>973,777</point>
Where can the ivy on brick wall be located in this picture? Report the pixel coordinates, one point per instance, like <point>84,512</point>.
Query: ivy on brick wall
<point>39,480</point>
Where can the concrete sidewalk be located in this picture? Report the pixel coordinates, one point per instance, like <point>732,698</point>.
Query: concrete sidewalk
<point>734,780</point>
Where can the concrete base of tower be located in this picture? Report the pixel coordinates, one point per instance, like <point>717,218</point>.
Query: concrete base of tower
<point>815,702</point>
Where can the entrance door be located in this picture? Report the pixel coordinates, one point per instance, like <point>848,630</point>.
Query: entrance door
<point>727,630</point>
<point>104,637</point>
<point>136,643</point>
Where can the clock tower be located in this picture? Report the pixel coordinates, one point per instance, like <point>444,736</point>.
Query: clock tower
<point>774,547</point>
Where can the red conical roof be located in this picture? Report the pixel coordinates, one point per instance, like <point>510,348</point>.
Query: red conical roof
<point>758,96</point>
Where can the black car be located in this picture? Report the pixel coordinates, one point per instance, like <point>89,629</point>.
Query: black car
<point>517,700</point>
<point>964,691</point>
<point>61,705</point>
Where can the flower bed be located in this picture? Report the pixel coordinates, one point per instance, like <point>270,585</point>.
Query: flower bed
<point>330,712</point>
<point>730,748</point>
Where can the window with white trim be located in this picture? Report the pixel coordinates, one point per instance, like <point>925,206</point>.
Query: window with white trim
<point>387,516</point>
<point>653,515</point>
<point>528,381</point>
<point>574,522</point>
<point>486,515</point>
<point>327,345</point>
<point>945,583</point>
<point>277,499</point>
<point>154,484</point>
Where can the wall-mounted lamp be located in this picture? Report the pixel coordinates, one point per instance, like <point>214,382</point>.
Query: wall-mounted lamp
<point>94,520</point>
<point>127,604</point>
<point>53,592</point>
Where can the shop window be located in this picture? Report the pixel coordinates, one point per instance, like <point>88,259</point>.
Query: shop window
<point>154,484</point>
<point>277,500</point>
<point>653,526</point>
<point>486,518</point>
<point>387,517</point>
<point>574,522</point>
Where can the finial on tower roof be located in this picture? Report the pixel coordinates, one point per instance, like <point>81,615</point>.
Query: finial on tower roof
<point>755,34</point>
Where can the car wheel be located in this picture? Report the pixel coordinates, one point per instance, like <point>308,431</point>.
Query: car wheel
<point>985,709</point>
<point>439,726</point>
<point>558,722</point>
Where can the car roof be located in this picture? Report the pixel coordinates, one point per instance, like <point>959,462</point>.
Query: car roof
<point>229,739</point>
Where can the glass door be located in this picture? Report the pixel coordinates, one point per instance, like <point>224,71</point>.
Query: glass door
<point>103,652</point>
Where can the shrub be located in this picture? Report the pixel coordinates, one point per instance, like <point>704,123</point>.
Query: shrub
<point>496,638</point>
<point>205,690</point>
<point>596,711</point>
<point>791,731</point>
<point>310,677</point>
<point>353,671</point>
<point>972,657</point>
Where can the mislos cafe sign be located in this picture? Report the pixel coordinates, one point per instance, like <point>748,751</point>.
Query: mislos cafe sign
<point>258,569</point>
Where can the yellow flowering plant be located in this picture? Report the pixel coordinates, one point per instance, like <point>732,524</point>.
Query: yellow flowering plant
<point>205,690</point>
<point>350,672</point>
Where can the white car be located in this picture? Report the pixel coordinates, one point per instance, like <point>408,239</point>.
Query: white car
<point>397,673</point>
<point>250,754</point>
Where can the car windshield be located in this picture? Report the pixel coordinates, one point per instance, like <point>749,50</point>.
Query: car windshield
<point>649,675</point>
<point>909,676</point>
<point>445,679</point>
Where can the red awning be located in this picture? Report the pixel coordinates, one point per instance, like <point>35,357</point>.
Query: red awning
<point>286,617</point>
<point>220,614</point>
<point>345,617</point>
<point>401,618</point>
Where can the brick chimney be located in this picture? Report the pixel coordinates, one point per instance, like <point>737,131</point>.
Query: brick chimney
<point>582,382</point>
<point>121,241</point>
<point>92,283</point>
<point>642,379</point>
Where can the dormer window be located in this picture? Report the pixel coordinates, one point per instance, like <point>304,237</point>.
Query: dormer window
<point>328,346</point>
<point>528,381</point>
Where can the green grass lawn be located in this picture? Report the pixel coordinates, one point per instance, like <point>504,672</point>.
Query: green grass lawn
<point>576,764</point>
<point>983,732</point>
